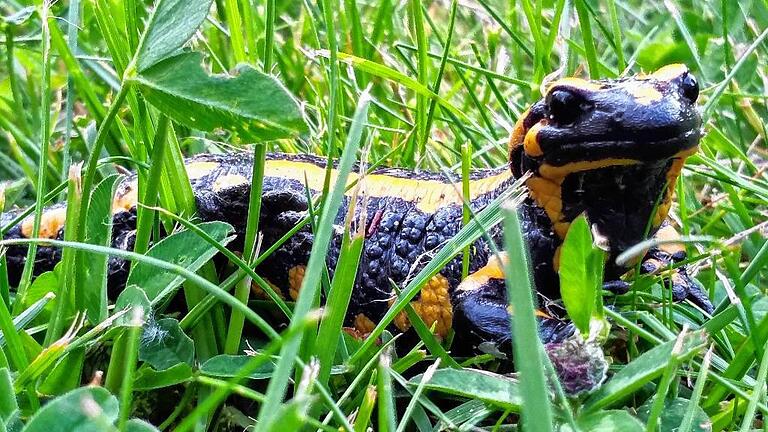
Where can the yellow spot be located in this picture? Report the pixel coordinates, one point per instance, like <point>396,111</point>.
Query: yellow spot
<point>575,83</point>
<point>196,170</point>
<point>519,132</point>
<point>228,181</point>
<point>433,306</point>
<point>428,195</point>
<point>126,198</point>
<point>556,259</point>
<point>531,143</point>
<point>663,209</point>
<point>295,277</point>
<point>643,92</point>
<point>676,279</point>
<point>50,223</point>
<point>494,269</point>
<point>363,325</point>
<point>669,72</point>
<point>261,294</point>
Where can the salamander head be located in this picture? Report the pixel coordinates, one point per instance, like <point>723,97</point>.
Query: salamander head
<point>610,148</point>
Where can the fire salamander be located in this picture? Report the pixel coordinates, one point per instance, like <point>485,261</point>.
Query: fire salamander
<point>611,149</point>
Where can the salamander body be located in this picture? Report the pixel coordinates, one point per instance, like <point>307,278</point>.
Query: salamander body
<point>610,149</point>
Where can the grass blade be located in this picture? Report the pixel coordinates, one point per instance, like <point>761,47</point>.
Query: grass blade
<point>537,410</point>
<point>309,286</point>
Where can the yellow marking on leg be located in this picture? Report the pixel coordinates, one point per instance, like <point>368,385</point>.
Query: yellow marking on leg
<point>196,170</point>
<point>363,325</point>
<point>494,269</point>
<point>229,181</point>
<point>561,229</point>
<point>51,222</point>
<point>259,292</point>
<point>433,306</point>
<point>428,195</point>
<point>295,277</point>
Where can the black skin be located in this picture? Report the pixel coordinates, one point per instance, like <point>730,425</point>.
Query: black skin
<point>580,123</point>
<point>399,236</point>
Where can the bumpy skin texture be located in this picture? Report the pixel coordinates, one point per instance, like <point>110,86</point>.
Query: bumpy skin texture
<point>609,149</point>
<point>398,233</point>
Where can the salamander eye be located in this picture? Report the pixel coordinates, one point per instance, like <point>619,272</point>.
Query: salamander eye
<point>690,87</point>
<point>564,106</point>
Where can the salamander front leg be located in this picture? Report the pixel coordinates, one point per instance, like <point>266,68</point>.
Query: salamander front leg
<point>657,261</point>
<point>684,287</point>
<point>480,309</point>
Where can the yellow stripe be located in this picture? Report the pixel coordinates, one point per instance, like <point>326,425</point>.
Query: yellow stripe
<point>558,173</point>
<point>429,195</point>
<point>576,83</point>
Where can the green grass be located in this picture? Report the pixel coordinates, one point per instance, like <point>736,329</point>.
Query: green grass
<point>417,84</point>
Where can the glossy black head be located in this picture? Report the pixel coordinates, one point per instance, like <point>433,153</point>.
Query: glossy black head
<point>643,118</point>
<point>612,149</point>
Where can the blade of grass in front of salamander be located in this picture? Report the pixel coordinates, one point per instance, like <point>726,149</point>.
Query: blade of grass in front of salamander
<point>44,136</point>
<point>340,293</point>
<point>243,288</point>
<point>528,350</point>
<point>145,212</point>
<point>466,166</point>
<point>310,284</point>
<point>63,307</point>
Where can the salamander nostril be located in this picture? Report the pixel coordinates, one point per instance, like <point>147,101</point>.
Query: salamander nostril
<point>690,87</point>
<point>564,106</point>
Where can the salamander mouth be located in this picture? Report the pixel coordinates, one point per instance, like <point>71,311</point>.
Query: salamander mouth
<point>642,150</point>
<point>619,200</point>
